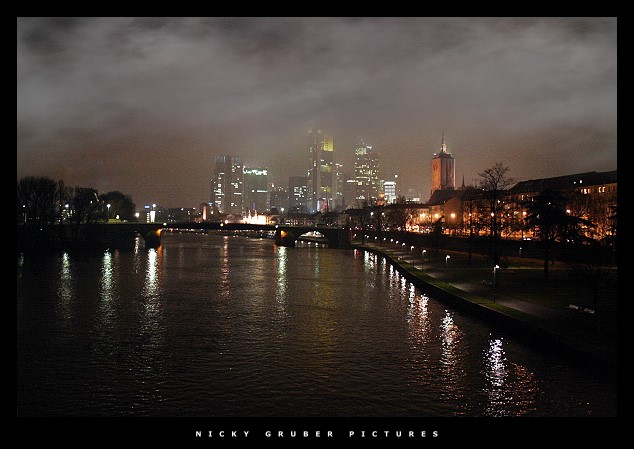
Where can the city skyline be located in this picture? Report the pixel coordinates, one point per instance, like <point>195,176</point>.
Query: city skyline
<point>144,106</point>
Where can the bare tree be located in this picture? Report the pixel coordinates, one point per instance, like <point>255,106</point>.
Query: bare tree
<point>36,197</point>
<point>548,215</point>
<point>494,184</point>
<point>396,217</point>
<point>85,207</point>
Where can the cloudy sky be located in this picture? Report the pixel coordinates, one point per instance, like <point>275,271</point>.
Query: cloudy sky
<point>142,105</point>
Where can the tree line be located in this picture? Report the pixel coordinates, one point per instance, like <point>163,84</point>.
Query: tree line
<point>44,201</point>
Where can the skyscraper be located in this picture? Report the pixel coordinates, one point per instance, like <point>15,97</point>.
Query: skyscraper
<point>226,185</point>
<point>340,183</point>
<point>279,198</point>
<point>349,191</point>
<point>443,170</point>
<point>297,193</point>
<point>366,170</point>
<point>256,190</point>
<point>321,171</point>
<point>389,187</point>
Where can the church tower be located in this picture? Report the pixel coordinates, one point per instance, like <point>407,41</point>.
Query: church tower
<point>443,170</point>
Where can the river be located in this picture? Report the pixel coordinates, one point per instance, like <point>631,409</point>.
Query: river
<point>223,326</point>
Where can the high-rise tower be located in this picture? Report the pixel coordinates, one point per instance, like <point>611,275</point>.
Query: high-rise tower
<point>366,168</point>
<point>226,185</point>
<point>443,170</point>
<point>321,171</point>
<point>256,190</point>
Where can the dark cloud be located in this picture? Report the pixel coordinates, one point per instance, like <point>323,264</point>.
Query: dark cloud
<point>132,103</point>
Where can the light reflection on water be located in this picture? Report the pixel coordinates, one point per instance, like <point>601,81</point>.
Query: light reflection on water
<point>65,288</point>
<point>221,326</point>
<point>508,383</point>
<point>281,286</point>
<point>107,291</point>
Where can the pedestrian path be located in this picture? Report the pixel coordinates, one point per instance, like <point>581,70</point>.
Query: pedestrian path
<point>575,329</point>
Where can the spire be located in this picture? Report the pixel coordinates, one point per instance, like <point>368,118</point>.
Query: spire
<point>463,182</point>
<point>443,146</point>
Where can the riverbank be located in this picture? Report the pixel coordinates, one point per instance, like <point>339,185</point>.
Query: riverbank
<point>521,301</point>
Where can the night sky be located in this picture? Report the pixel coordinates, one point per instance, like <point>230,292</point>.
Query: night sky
<point>142,105</point>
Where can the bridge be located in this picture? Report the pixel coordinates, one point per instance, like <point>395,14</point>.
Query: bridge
<point>122,234</point>
<point>285,235</point>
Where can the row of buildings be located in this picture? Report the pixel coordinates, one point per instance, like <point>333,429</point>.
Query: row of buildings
<point>242,193</point>
<point>239,190</point>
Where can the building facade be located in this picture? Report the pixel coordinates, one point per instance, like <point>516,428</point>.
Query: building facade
<point>443,170</point>
<point>321,171</point>
<point>256,190</point>
<point>366,173</point>
<point>389,189</point>
<point>279,198</point>
<point>298,194</point>
<point>227,184</point>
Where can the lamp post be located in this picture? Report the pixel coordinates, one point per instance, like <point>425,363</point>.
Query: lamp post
<point>422,260</point>
<point>447,268</point>
<point>412,251</point>
<point>495,269</point>
<point>108,216</point>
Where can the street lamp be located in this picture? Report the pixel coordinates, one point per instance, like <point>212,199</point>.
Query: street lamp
<point>422,260</point>
<point>108,216</point>
<point>495,269</point>
<point>447,268</point>
<point>412,250</point>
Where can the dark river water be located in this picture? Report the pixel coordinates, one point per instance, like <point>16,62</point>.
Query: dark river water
<point>215,326</point>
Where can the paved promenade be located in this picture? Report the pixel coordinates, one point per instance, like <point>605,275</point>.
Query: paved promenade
<point>522,299</point>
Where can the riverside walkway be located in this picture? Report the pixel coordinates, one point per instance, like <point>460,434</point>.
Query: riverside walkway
<point>522,300</point>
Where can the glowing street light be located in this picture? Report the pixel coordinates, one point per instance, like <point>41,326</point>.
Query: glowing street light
<point>412,250</point>
<point>495,269</point>
<point>422,260</point>
<point>108,216</point>
<point>447,268</point>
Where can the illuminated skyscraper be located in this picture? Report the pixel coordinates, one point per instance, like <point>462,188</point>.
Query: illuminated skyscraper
<point>389,187</point>
<point>279,198</point>
<point>443,170</point>
<point>340,183</point>
<point>321,171</point>
<point>297,193</point>
<point>366,173</point>
<point>226,185</point>
<point>256,190</point>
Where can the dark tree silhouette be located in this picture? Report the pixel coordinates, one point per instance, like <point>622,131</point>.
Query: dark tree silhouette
<point>494,183</point>
<point>37,199</point>
<point>546,212</point>
<point>85,205</point>
<point>436,235</point>
<point>396,217</point>
<point>120,204</point>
